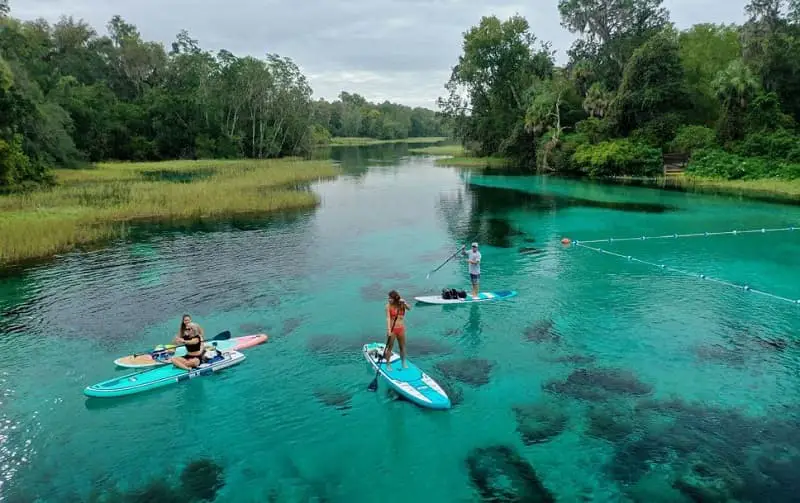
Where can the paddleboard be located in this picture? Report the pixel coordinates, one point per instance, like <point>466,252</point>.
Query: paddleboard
<point>482,297</point>
<point>164,357</point>
<point>157,377</point>
<point>412,383</point>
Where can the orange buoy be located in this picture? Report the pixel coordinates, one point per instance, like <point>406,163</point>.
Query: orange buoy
<point>565,241</point>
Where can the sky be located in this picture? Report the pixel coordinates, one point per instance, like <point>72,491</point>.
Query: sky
<point>396,50</point>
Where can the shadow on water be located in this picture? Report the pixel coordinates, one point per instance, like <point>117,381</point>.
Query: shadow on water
<point>356,160</point>
<point>479,212</point>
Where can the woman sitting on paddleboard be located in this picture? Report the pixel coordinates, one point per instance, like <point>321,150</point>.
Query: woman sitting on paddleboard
<point>186,322</point>
<point>395,327</point>
<point>194,348</point>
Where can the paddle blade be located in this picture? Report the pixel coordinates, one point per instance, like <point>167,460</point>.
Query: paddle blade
<point>222,336</point>
<point>373,386</point>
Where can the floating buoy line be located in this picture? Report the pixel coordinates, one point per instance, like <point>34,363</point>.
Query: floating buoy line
<point>630,258</point>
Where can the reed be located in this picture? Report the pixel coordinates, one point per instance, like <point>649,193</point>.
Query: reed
<point>453,150</point>
<point>94,204</point>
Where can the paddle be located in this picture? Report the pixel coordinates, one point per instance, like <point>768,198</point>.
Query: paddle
<point>222,336</point>
<point>373,386</point>
<point>446,261</point>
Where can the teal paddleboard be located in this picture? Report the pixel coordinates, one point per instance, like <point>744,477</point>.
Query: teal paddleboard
<point>412,383</point>
<point>157,377</point>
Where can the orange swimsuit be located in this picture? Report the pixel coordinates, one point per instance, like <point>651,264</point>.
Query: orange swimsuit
<point>401,330</point>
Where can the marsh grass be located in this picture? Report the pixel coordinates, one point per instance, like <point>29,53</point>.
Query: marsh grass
<point>765,189</point>
<point>454,150</point>
<point>95,204</point>
<point>457,156</point>
<point>474,162</point>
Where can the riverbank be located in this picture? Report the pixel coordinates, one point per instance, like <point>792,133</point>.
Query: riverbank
<point>458,157</point>
<point>769,189</point>
<point>363,142</point>
<point>91,205</point>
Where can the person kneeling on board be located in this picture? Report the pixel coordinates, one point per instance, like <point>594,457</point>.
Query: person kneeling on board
<point>193,341</point>
<point>395,327</point>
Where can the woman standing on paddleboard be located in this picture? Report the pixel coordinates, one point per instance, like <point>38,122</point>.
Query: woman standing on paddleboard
<point>395,327</point>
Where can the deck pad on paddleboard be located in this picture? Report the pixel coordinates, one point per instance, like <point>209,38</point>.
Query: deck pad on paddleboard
<point>482,297</point>
<point>162,358</point>
<point>157,377</point>
<point>412,383</point>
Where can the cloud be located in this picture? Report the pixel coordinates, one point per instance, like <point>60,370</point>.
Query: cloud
<point>398,50</point>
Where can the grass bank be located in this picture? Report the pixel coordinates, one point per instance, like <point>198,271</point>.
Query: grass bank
<point>764,189</point>
<point>90,205</point>
<point>360,142</point>
<point>458,157</point>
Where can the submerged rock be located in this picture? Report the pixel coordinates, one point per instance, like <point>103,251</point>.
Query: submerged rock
<point>599,384</point>
<point>474,371</point>
<point>539,422</point>
<point>500,474</point>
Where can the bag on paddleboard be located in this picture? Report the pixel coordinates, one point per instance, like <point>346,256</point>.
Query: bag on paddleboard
<point>453,294</point>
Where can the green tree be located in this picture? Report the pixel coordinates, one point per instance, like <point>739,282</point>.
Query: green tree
<point>499,63</point>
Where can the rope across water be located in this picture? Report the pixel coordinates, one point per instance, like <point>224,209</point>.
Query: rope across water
<point>681,271</point>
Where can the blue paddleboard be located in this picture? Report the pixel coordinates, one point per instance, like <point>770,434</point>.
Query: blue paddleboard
<point>156,377</point>
<point>482,297</point>
<point>412,383</point>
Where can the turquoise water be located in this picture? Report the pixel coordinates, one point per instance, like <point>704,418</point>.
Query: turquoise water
<point>706,373</point>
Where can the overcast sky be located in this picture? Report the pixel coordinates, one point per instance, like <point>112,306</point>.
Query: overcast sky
<point>400,50</point>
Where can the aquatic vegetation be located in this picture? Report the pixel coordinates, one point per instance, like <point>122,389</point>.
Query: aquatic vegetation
<point>290,325</point>
<point>201,479</point>
<point>575,359</point>
<point>452,150</point>
<point>530,250</point>
<point>541,421</point>
<point>473,371</point>
<point>426,346</point>
<point>611,421</point>
<point>499,473</point>
<point>92,205</point>
<point>335,398</point>
<point>599,384</point>
<point>542,331</point>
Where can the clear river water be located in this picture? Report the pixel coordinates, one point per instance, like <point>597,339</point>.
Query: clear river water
<point>606,379</point>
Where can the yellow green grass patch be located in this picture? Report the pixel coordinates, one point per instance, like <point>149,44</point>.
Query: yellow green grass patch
<point>93,204</point>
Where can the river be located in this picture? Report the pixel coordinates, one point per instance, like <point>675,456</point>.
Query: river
<point>600,369</point>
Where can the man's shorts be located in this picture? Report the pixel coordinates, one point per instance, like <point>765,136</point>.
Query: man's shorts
<point>474,278</point>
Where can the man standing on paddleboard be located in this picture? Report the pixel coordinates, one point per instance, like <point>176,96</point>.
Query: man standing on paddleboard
<point>474,260</point>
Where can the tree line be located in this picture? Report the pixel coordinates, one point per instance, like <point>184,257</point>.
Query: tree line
<point>69,96</point>
<point>634,88</point>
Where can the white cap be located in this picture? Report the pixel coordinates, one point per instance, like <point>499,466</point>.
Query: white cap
<point>474,245</point>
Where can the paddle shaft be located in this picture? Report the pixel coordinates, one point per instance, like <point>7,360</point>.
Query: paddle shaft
<point>448,259</point>
<point>374,384</point>
<point>219,337</point>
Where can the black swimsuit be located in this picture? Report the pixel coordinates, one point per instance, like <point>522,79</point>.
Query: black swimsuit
<point>193,348</point>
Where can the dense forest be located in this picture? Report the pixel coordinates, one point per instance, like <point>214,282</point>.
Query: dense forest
<point>634,88</point>
<point>69,96</point>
